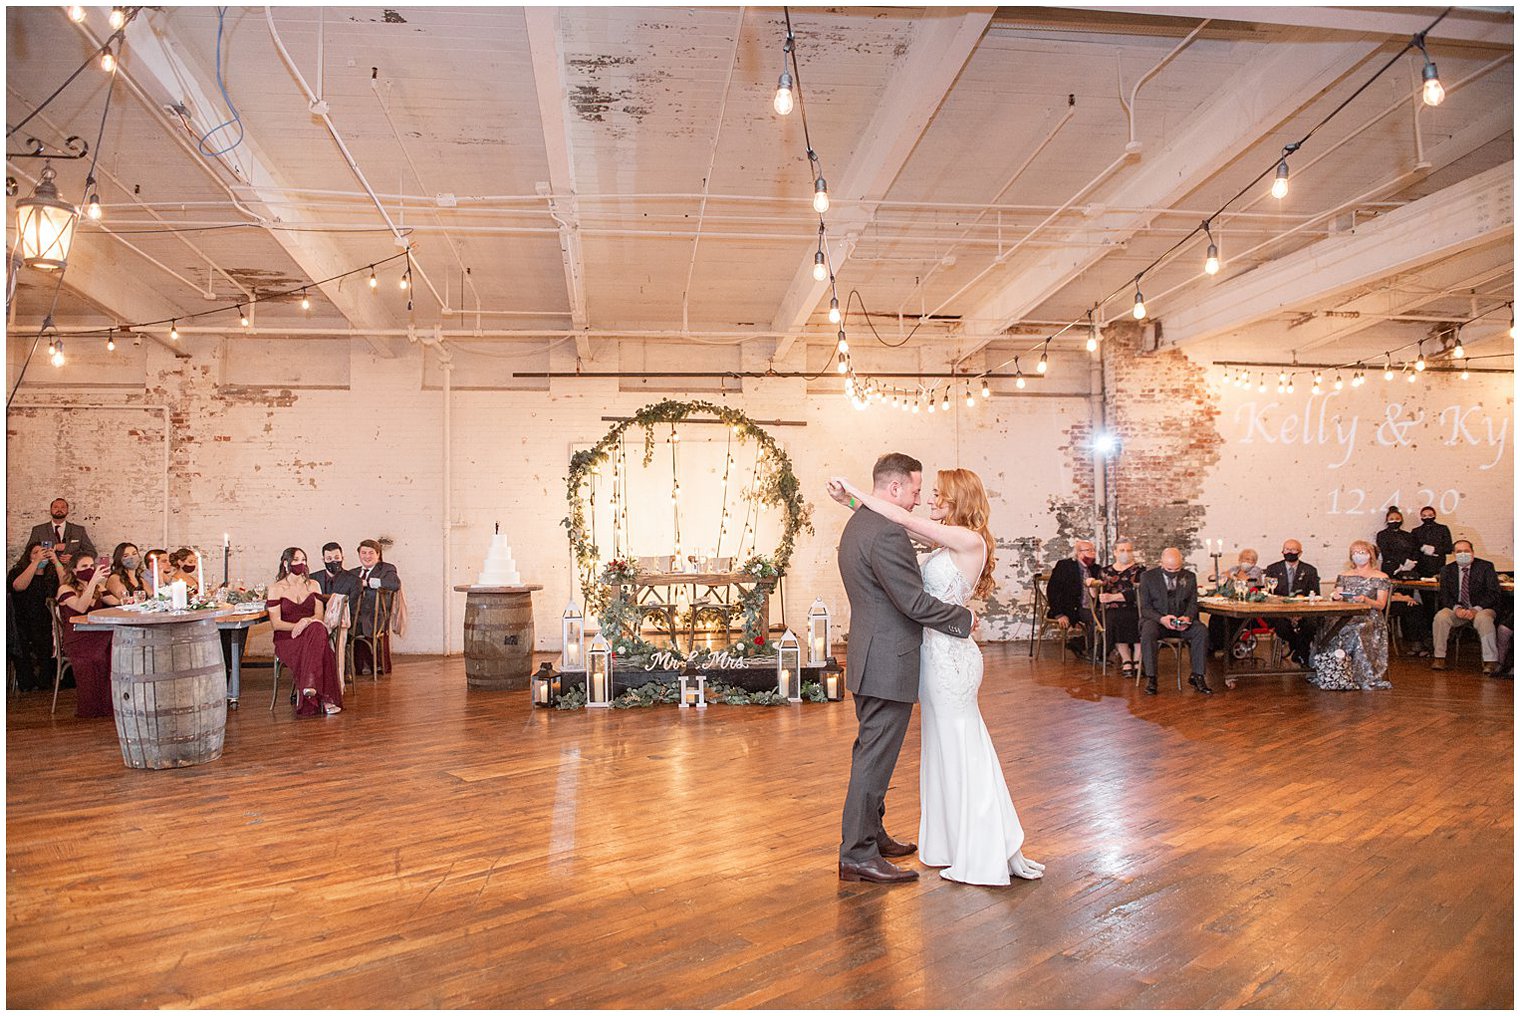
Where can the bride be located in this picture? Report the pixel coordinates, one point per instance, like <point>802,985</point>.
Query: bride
<point>968,826</point>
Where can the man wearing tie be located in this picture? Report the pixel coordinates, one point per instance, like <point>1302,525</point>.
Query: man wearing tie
<point>1293,577</point>
<point>1169,609</point>
<point>1470,594</point>
<point>372,574</point>
<point>66,538</point>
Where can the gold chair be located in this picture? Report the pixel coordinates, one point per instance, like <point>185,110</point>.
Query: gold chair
<point>59,654</point>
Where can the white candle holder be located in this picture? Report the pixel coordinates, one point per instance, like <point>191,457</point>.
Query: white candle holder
<point>789,667</point>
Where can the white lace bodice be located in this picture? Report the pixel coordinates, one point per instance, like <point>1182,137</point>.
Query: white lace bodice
<point>951,668</point>
<point>943,580</point>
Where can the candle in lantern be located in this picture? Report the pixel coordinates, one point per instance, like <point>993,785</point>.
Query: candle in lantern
<point>691,696</point>
<point>572,653</point>
<point>786,683</point>
<point>817,647</point>
<point>598,688</point>
<point>543,692</point>
<point>833,685</point>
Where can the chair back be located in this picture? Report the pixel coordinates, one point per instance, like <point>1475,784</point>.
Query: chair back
<point>385,601</point>
<point>57,616</point>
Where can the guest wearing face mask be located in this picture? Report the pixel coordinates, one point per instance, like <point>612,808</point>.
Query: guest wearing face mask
<point>186,569</point>
<point>1121,582</point>
<point>79,593</point>
<point>125,581</point>
<point>1470,595</point>
<point>1293,577</point>
<point>1433,540</point>
<point>333,578</point>
<point>1356,656</point>
<point>301,639</point>
<point>29,624</point>
<point>1397,549</point>
<point>1066,593</point>
<point>1247,570</point>
<point>1169,609</point>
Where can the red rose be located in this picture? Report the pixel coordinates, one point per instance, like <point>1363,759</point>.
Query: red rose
<point>759,640</point>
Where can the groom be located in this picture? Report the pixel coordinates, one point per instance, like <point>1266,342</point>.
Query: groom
<point>888,613</point>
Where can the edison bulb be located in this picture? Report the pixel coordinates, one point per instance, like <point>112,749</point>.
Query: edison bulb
<point>834,316</point>
<point>1211,263</point>
<point>118,17</point>
<point>1139,308</point>
<point>1432,91</point>
<point>820,196</point>
<point>783,101</point>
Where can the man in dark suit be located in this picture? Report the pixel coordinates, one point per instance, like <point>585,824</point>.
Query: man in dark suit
<point>1433,541</point>
<point>65,537</point>
<point>889,611</point>
<point>1293,577</point>
<point>332,578</point>
<point>1470,594</point>
<point>1066,598</point>
<point>1169,609</point>
<point>373,574</point>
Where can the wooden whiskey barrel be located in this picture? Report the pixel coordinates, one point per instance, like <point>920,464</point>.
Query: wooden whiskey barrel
<point>498,640</point>
<point>169,686</point>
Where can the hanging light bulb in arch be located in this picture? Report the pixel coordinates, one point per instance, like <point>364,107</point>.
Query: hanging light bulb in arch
<point>1280,180</point>
<point>110,340</point>
<point>1092,333</point>
<point>1018,375</point>
<point>1419,363</point>
<point>107,59</point>
<point>242,316</point>
<point>1456,349</point>
<point>76,14</point>
<point>1387,367</point>
<point>305,301</point>
<point>57,359</point>
<point>117,19</point>
<point>986,389</point>
<point>820,268</point>
<point>1464,369</point>
<point>174,330</point>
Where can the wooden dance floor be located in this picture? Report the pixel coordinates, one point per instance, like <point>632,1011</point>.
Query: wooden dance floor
<point>1273,846</point>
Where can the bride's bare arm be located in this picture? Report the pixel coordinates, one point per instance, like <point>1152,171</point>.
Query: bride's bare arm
<point>935,534</point>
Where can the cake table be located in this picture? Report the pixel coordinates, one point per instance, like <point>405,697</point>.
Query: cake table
<point>498,636</point>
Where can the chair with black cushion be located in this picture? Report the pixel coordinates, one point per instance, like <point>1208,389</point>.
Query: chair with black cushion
<point>380,624</point>
<point>58,651</point>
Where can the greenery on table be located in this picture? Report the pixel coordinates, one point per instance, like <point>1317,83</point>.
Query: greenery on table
<point>654,693</point>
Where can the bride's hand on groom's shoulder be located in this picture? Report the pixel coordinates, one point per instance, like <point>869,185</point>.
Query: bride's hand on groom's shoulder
<point>837,491</point>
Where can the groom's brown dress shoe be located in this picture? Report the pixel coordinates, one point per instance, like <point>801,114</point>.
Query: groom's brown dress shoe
<point>891,848</point>
<point>875,870</point>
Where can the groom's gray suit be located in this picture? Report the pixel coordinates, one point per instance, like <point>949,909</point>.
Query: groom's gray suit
<point>889,611</point>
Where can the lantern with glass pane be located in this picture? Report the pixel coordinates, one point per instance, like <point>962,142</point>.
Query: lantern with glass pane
<point>789,667</point>
<point>693,688</point>
<point>599,674</point>
<point>573,634</point>
<point>820,633</point>
<point>45,225</point>
<point>545,686</point>
<point>832,680</point>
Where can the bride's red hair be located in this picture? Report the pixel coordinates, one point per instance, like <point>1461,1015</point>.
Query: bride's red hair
<point>963,491</point>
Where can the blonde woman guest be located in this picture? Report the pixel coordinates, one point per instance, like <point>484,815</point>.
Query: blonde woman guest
<point>1356,656</point>
<point>968,825</point>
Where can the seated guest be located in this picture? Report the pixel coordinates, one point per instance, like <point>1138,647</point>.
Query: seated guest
<point>66,537</point>
<point>185,567</point>
<point>1246,569</point>
<point>124,583</point>
<point>372,574</point>
<point>1066,593</point>
<point>1356,655</point>
<point>79,592</point>
<point>162,562</point>
<point>1169,609</point>
<point>1470,594</point>
<point>332,578</point>
<point>301,639</point>
<point>1121,580</point>
<point>1293,577</point>
<point>32,581</point>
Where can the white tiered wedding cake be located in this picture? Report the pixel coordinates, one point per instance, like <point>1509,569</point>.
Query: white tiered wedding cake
<point>500,569</point>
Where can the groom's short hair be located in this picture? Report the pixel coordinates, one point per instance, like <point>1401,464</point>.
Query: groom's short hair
<point>894,465</point>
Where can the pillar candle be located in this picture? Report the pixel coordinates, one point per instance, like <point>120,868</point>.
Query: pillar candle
<point>833,680</point>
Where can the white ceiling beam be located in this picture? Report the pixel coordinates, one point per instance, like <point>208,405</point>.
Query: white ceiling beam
<point>95,276</point>
<point>548,54</point>
<point>943,40</point>
<point>1262,96</point>
<point>1477,211</point>
<point>156,63</point>
<point>1485,26</point>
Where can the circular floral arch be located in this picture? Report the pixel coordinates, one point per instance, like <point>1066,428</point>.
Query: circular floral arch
<point>778,488</point>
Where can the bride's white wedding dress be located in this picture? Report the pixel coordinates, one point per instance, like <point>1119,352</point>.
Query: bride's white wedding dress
<point>968,825</point>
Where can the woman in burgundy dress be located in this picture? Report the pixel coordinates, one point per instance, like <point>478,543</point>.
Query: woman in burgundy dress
<point>79,592</point>
<point>301,639</point>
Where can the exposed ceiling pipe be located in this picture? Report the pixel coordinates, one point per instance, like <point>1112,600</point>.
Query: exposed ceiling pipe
<point>1129,107</point>
<point>346,332</point>
<point>319,109</point>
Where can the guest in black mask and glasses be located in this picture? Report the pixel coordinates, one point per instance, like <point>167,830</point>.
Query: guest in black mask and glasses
<point>1293,577</point>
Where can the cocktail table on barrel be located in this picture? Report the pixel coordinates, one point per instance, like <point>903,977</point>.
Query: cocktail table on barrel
<point>168,685</point>
<point>498,636</point>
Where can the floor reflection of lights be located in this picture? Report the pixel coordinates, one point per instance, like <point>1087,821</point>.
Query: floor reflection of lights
<point>562,830</point>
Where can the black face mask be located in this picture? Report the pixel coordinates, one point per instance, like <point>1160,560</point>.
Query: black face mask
<point>1395,523</point>
<point>333,567</point>
<point>1290,558</point>
<point>1426,520</point>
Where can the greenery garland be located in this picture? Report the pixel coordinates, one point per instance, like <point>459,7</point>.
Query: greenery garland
<point>608,593</point>
<point>655,693</point>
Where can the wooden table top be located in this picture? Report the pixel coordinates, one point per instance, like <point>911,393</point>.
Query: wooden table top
<point>118,616</point>
<point>1508,585</point>
<point>495,589</point>
<point>1278,607</point>
<point>692,578</point>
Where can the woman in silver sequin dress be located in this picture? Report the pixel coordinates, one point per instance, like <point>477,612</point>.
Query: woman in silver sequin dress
<point>1357,655</point>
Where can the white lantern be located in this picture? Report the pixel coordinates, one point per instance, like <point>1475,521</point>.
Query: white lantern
<point>789,667</point>
<point>693,689</point>
<point>573,638</point>
<point>599,674</point>
<point>820,633</point>
<point>45,225</point>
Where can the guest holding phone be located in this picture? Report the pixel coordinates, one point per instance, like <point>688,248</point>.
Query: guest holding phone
<point>68,538</point>
<point>124,583</point>
<point>89,651</point>
<point>301,639</point>
<point>32,582</point>
<point>1169,609</point>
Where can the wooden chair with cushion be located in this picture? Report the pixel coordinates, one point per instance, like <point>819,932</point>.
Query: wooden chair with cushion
<point>59,654</point>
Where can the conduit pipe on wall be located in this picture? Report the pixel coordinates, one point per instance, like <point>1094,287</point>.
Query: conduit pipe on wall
<point>446,364</point>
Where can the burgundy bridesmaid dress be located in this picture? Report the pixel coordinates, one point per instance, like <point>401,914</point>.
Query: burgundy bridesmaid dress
<point>90,654</point>
<point>310,657</point>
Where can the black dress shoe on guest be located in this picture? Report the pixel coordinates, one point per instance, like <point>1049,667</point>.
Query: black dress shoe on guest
<point>891,848</point>
<point>1200,684</point>
<point>875,870</point>
<point>1150,686</point>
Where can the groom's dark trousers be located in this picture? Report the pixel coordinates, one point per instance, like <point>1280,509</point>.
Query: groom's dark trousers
<point>889,611</point>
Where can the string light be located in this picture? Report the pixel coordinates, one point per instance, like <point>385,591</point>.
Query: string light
<point>1044,363</point>
<point>1316,389</point>
<point>92,203</point>
<point>1211,260</point>
<point>1339,384</point>
<point>1261,383</point>
<point>931,400</point>
<point>242,315</point>
<point>834,316</point>
<point>842,366</point>
<point>76,14</point>
<point>1290,383</point>
<point>1139,302</point>
<point>117,19</point>
<point>305,301</point>
<point>1430,87</point>
<point>1018,375</point>
<point>970,401</point>
<point>945,405</point>
<point>1092,333</point>
<point>820,195</point>
<point>1457,350</point>
<point>374,283</point>
<point>107,59</point>
<point>58,354</point>
<point>844,347</point>
<point>986,389</point>
<point>1412,375</point>
<point>405,281</point>
<point>1282,377</point>
<point>1464,369</point>
<point>820,269</point>
<point>110,340</point>
<point>1387,367</point>
<point>1280,181</point>
<point>784,101</point>
<point>174,330</point>
<point>1419,363</point>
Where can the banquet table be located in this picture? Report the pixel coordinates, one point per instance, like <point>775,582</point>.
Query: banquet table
<point>1508,585</point>
<point>658,592</point>
<point>232,625</point>
<point>1237,613</point>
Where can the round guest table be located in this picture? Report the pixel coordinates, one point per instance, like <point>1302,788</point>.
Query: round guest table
<point>498,636</point>
<point>168,685</point>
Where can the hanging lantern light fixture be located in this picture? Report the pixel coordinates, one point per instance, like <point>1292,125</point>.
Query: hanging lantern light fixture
<point>45,225</point>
